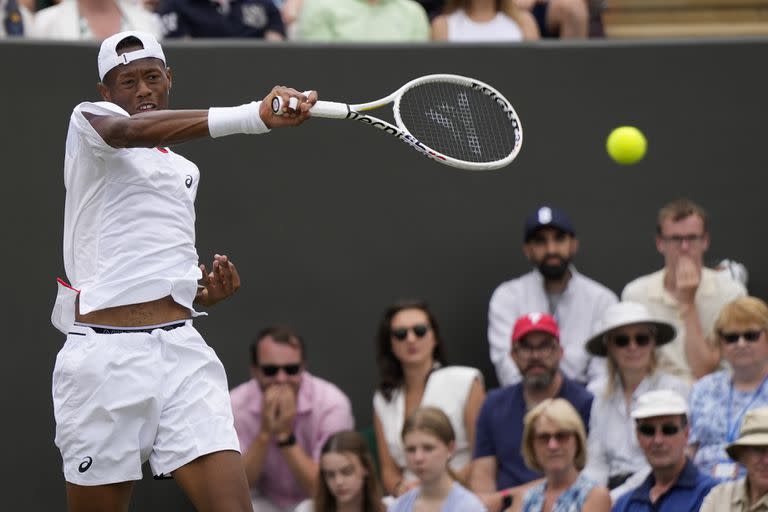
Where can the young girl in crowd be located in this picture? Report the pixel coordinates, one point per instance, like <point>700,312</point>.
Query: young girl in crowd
<point>429,443</point>
<point>348,480</point>
<point>484,21</point>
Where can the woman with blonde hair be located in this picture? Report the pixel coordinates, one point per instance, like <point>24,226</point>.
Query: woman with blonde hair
<point>484,21</point>
<point>628,338</point>
<point>429,443</point>
<point>720,400</point>
<point>348,481</point>
<point>555,444</point>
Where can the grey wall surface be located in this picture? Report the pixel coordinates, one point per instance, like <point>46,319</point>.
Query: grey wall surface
<point>331,222</point>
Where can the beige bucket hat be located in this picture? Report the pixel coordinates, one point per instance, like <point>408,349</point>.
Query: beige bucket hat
<point>754,431</point>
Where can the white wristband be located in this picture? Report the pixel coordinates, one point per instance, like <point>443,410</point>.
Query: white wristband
<point>231,120</point>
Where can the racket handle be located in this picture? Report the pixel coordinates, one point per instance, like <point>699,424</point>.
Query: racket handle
<point>329,109</point>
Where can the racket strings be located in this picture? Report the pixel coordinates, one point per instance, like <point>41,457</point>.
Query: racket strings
<point>458,121</point>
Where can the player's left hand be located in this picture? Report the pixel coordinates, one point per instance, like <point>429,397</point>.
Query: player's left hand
<point>222,282</point>
<point>294,112</point>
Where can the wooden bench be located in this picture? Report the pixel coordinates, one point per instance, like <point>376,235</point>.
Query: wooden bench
<point>685,18</point>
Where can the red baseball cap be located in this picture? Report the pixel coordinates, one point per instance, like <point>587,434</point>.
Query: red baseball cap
<point>535,322</point>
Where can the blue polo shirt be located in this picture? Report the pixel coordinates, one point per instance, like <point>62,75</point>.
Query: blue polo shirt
<point>499,431</point>
<point>686,495</point>
<point>208,18</point>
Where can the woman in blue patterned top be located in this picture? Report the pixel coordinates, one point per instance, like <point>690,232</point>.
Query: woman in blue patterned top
<point>555,443</point>
<point>429,443</point>
<point>720,400</point>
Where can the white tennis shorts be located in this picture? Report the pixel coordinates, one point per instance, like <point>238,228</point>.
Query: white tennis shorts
<point>122,399</point>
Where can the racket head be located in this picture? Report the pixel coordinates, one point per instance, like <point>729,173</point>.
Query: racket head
<point>468,123</point>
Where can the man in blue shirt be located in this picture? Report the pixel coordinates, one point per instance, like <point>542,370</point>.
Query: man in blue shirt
<point>221,18</point>
<point>498,463</point>
<point>675,484</point>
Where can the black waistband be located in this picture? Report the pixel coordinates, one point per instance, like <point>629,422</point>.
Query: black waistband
<point>115,330</point>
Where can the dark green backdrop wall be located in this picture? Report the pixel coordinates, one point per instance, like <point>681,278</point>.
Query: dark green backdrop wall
<point>330,222</point>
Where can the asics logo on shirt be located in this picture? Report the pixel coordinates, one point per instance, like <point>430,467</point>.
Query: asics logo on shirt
<point>83,467</point>
<point>188,181</point>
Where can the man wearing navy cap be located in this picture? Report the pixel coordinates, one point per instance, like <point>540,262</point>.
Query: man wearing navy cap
<point>554,286</point>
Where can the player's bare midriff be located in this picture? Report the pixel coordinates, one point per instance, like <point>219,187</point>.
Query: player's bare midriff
<point>154,312</point>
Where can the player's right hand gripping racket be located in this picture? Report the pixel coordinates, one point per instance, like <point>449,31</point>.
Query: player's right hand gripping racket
<point>455,120</point>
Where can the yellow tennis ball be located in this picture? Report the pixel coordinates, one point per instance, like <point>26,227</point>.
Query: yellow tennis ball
<point>626,145</point>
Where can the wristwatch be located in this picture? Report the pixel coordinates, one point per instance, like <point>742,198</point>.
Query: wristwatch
<point>288,441</point>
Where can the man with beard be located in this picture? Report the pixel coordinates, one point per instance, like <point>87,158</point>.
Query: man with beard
<point>498,463</point>
<point>554,286</point>
<point>283,416</point>
<point>674,484</point>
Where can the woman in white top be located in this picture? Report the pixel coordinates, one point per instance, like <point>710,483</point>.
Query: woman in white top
<point>93,19</point>
<point>412,373</point>
<point>628,336</point>
<point>484,21</point>
<point>347,480</point>
<point>429,442</point>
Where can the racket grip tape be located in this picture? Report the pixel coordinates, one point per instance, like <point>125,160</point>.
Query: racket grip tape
<point>328,109</point>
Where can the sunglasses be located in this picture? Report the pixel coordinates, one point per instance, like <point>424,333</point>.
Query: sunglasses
<point>270,370</point>
<point>622,340</point>
<point>401,333</point>
<point>561,436</point>
<point>733,337</point>
<point>667,429</point>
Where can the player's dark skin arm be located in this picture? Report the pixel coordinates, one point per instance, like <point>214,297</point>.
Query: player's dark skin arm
<point>151,129</point>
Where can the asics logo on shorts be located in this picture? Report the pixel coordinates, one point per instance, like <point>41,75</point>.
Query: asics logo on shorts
<point>83,467</point>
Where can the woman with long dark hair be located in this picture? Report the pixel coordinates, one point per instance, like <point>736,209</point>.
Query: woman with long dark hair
<point>484,21</point>
<point>413,373</point>
<point>347,480</point>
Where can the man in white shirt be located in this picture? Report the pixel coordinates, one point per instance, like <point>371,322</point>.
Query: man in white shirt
<point>554,286</point>
<point>135,381</point>
<point>685,293</point>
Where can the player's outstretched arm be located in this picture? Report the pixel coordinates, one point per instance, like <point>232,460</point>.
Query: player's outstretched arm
<point>168,127</point>
<point>222,282</point>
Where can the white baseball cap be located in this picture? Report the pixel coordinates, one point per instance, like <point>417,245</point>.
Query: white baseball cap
<point>661,402</point>
<point>109,59</point>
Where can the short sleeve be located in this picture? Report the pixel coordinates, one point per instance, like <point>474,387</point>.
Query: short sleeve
<point>83,128</point>
<point>484,445</point>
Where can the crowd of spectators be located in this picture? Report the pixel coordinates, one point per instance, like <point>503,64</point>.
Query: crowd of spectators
<point>647,403</point>
<point>361,21</point>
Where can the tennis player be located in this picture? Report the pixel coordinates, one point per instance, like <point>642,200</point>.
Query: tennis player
<point>135,381</point>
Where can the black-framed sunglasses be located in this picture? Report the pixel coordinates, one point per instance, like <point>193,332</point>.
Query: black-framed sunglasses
<point>561,436</point>
<point>401,333</point>
<point>733,337</point>
<point>270,370</point>
<point>649,430</point>
<point>622,340</point>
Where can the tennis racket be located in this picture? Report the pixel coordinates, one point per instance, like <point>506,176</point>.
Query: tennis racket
<point>454,120</point>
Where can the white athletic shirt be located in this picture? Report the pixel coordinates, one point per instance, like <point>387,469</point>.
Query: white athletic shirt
<point>129,222</point>
<point>501,28</point>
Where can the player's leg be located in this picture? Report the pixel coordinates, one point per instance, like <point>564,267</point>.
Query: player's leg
<point>568,18</point>
<point>216,483</point>
<point>99,498</point>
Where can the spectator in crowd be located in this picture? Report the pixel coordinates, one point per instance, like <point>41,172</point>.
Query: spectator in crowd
<point>675,484</point>
<point>628,337</point>
<point>413,373</point>
<point>564,19</point>
<point>429,443</point>
<point>283,416</point>
<point>222,18</point>
<point>555,286</point>
<point>396,21</point>
<point>720,400</point>
<point>484,20</point>
<point>17,20</point>
<point>748,494</point>
<point>347,479</point>
<point>498,463</point>
<point>93,19</point>
<point>555,444</point>
<point>684,292</point>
